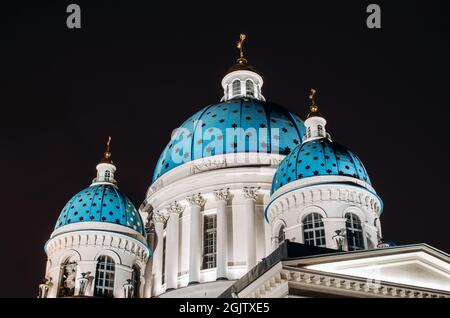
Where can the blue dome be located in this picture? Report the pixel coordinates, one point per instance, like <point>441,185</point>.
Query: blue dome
<point>320,157</point>
<point>101,203</point>
<point>213,120</point>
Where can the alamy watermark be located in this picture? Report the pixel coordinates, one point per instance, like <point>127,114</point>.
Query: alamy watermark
<point>373,21</point>
<point>73,20</point>
<point>214,141</point>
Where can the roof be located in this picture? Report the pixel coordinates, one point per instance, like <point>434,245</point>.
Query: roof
<point>215,129</point>
<point>101,203</point>
<point>319,157</point>
<point>296,255</point>
<point>285,250</point>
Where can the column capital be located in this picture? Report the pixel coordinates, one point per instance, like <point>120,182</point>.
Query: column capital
<point>250,192</point>
<point>222,194</point>
<point>159,217</point>
<point>175,208</point>
<point>196,200</point>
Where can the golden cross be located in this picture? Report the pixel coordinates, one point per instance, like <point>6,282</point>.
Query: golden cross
<point>240,45</point>
<point>311,96</point>
<point>108,143</point>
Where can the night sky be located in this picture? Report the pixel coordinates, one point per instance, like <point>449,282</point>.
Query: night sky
<point>137,70</point>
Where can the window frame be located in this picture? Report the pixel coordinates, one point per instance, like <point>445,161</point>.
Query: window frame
<point>236,87</point>
<point>163,265</point>
<point>62,291</point>
<point>209,257</point>
<point>136,280</point>
<point>317,240</point>
<point>281,237</point>
<point>105,272</point>
<point>250,88</point>
<point>354,234</point>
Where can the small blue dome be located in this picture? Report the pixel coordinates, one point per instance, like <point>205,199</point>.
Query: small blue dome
<point>320,157</point>
<point>101,203</point>
<point>236,113</point>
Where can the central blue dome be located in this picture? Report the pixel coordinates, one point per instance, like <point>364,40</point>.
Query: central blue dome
<point>320,157</point>
<point>101,203</point>
<point>213,120</point>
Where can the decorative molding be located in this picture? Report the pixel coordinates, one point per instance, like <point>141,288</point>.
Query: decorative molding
<point>103,240</point>
<point>159,217</point>
<point>337,285</point>
<point>305,197</point>
<point>175,208</point>
<point>250,192</point>
<point>155,187</point>
<point>196,200</point>
<point>222,194</point>
<point>208,164</point>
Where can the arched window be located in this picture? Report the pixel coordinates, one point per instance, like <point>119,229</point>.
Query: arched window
<point>209,241</point>
<point>320,131</point>
<point>135,280</point>
<point>104,277</point>
<point>67,285</point>
<point>107,175</point>
<point>236,87</point>
<point>313,230</point>
<point>354,231</point>
<point>281,234</point>
<point>250,88</point>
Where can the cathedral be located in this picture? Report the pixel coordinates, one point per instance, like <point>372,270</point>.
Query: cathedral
<point>247,200</point>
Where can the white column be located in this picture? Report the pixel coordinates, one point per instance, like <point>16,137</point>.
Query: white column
<point>159,219</point>
<point>89,268</point>
<point>196,202</point>
<point>222,196</point>
<point>332,227</point>
<point>250,195</point>
<point>147,283</point>
<point>174,210</point>
<point>54,278</point>
<point>371,235</point>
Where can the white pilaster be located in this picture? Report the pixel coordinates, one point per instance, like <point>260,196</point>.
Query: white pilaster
<point>371,235</point>
<point>174,210</point>
<point>196,202</point>
<point>222,196</point>
<point>89,268</point>
<point>159,219</point>
<point>250,196</point>
<point>332,225</point>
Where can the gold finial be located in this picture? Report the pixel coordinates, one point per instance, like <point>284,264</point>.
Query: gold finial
<point>313,107</point>
<point>107,154</point>
<point>240,46</point>
<point>108,143</point>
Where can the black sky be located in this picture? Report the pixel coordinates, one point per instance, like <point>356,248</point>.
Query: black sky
<point>136,70</point>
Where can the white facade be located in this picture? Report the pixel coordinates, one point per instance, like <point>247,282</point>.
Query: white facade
<point>237,194</point>
<point>332,198</point>
<point>81,245</point>
<point>210,221</point>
